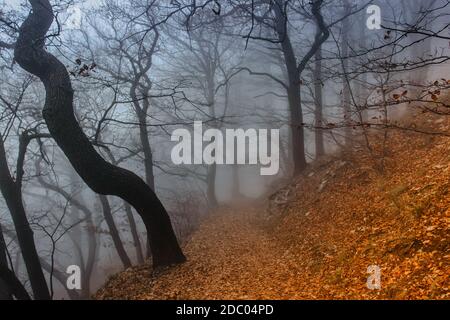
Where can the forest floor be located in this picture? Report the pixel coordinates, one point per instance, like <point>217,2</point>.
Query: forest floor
<point>316,237</point>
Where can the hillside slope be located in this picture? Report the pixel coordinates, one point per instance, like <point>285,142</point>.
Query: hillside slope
<point>316,237</point>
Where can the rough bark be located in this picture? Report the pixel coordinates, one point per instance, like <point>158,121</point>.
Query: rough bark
<point>101,176</point>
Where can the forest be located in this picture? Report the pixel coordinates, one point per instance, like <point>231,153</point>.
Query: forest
<point>224,149</point>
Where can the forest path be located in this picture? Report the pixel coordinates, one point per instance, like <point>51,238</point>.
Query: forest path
<point>231,256</point>
<point>316,237</point>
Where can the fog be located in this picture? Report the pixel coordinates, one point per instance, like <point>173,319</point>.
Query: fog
<point>142,69</point>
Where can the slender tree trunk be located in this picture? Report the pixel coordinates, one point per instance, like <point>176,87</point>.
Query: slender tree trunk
<point>60,276</point>
<point>12,194</point>
<point>87,265</point>
<point>361,86</point>
<point>115,235</point>
<point>212,169</point>
<point>211,186</point>
<point>145,141</point>
<point>318,113</point>
<point>14,285</point>
<point>91,257</point>
<point>293,91</point>
<point>134,233</point>
<point>5,290</point>
<point>101,176</point>
<point>62,279</point>
<point>236,189</point>
<point>422,44</point>
<point>346,90</point>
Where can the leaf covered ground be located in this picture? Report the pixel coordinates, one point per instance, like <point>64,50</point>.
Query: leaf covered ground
<point>316,237</point>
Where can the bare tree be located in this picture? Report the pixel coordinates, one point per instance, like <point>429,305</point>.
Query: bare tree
<point>99,175</point>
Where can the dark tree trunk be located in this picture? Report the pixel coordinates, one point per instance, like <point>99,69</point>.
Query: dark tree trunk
<point>14,285</point>
<point>318,112</point>
<point>211,100</point>
<point>91,257</point>
<point>298,134</point>
<point>5,290</point>
<point>293,91</point>
<point>12,194</point>
<point>362,93</point>
<point>146,148</point>
<point>346,89</point>
<point>236,186</point>
<point>101,176</point>
<point>115,235</point>
<point>211,186</point>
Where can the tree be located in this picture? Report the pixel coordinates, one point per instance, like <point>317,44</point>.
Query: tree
<point>5,290</point>
<point>205,58</point>
<point>276,16</point>
<point>318,97</point>
<point>101,176</point>
<point>11,190</point>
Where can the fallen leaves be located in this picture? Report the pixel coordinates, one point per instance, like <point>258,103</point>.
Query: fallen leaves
<point>318,245</point>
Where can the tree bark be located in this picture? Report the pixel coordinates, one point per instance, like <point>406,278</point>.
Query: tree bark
<point>101,176</point>
<point>114,232</point>
<point>5,291</point>
<point>12,193</point>
<point>211,186</point>
<point>318,112</point>
<point>14,285</point>
<point>134,234</point>
<point>141,114</point>
<point>346,89</point>
<point>293,91</point>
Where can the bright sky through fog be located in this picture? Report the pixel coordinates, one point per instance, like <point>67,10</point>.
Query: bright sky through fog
<point>74,12</point>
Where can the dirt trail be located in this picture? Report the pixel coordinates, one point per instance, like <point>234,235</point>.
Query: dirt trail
<point>325,229</point>
<point>229,257</point>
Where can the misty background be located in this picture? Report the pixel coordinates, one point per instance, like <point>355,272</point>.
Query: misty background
<point>141,69</point>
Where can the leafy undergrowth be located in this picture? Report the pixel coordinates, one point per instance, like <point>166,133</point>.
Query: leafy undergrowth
<point>317,236</point>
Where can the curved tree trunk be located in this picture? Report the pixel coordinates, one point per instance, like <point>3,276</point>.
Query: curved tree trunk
<point>101,176</point>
